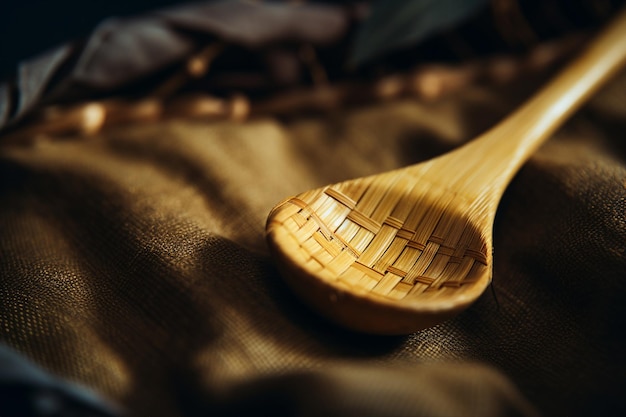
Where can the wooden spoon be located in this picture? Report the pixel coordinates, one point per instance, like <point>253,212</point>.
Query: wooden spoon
<point>404,250</point>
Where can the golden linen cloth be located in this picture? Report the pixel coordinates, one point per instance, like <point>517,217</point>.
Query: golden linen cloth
<point>134,262</point>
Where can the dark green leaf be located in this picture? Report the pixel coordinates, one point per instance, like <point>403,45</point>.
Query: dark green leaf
<point>398,23</point>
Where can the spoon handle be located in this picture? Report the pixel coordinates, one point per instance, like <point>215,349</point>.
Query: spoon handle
<point>501,151</point>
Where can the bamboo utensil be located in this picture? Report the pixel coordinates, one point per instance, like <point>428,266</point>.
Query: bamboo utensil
<point>407,249</point>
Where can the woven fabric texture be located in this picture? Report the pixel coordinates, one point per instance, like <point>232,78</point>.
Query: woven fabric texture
<point>134,262</point>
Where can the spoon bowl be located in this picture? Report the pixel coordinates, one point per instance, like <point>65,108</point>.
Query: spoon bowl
<point>401,251</point>
<point>385,254</point>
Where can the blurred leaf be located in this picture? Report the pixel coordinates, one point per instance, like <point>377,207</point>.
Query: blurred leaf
<point>122,51</point>
<point>396,23</point>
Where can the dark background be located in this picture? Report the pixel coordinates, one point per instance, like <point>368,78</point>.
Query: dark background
<point>30,27</point>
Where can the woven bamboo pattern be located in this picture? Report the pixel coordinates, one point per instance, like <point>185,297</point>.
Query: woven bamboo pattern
<point>364,234</point>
